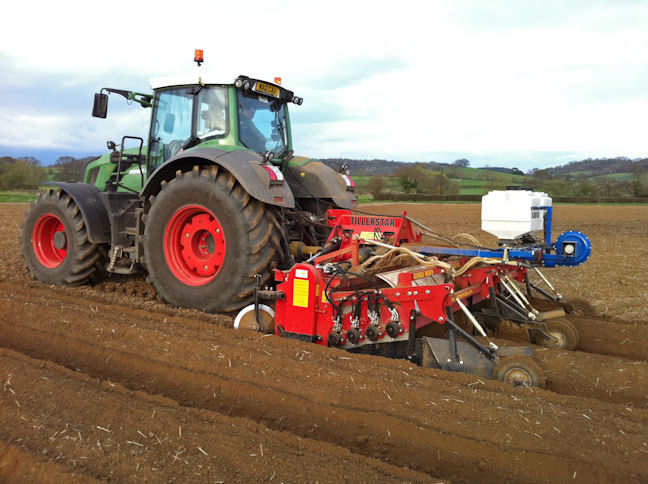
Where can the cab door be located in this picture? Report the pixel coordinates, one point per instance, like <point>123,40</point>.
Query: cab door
<point>170,124</point>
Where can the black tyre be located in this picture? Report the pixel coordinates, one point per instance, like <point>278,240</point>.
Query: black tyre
<point>205,238</point>
<point>519,371</point>
<point>54,242</point>
<point>579,307</point>
<point>565,333</point>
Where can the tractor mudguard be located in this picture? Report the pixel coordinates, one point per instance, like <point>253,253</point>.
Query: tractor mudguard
<point>313,179</point>
<point>245,166</point>
<point>87,198</point>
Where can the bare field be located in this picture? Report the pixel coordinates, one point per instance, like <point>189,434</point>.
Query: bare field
<point>106,383</point>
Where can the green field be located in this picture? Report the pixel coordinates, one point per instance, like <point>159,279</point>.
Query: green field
<point>17,196</point>
<point>473,191</point>
<point>467,182</point>
<point>52,173</point>
<point>472,181</point>
<point>617,176</point>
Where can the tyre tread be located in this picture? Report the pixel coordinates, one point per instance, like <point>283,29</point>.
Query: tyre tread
<point>86,268</point>
<point>261,249</point>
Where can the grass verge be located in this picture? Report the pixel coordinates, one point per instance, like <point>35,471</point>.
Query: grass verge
<point>17,196</point>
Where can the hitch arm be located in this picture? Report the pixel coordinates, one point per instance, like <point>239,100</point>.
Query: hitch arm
<point>484,350</point>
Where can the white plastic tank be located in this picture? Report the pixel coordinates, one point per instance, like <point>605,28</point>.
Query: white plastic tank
<point>509,214</point>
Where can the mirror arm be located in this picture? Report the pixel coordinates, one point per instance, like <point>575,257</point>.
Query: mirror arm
<point>144,100</point>
<point>121,92</point>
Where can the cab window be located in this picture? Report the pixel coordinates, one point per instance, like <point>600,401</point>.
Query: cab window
<point>176,119</point>
<point>262,125</point>
<point>212,113</point>
<point>171,127</point>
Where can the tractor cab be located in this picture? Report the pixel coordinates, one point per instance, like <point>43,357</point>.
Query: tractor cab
<point>249,114</point>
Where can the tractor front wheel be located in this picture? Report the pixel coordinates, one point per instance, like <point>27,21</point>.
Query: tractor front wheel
<point>55,245</point>
<point>205,238</point>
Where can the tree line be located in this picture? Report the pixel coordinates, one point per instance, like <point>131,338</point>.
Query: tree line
<point>582,186</point>
<point>415,179</point>
<point>443,179</point>
<point>28,174</point>
<point>572,180</point>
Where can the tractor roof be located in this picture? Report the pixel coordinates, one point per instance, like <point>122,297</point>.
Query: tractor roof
<point>246,84</point>
<point>184,80</point>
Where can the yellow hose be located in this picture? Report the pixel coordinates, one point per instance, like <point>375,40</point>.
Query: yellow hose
<point>431,261</point>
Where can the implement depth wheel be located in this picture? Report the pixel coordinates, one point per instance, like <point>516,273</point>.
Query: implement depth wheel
<point>579,307</point>
<point>519,371</point>
<point>565,333</point>
<point>265,324</point>
<point>55,242</point>
<point>205,238</point>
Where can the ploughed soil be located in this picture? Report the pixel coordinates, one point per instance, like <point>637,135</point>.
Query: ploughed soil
<point>106,383</point>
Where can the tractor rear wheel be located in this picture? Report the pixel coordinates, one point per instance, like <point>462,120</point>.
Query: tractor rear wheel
<point>205,238</point>
<point>55,245</point>
<point>519,371</point>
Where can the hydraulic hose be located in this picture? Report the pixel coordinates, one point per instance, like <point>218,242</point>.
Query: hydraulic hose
<point>432,262</point>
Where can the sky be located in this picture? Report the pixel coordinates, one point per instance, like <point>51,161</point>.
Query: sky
<point>501,83</point>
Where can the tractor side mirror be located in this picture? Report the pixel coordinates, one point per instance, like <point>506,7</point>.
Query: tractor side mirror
<point>169,121</point>
<point>100,107</point>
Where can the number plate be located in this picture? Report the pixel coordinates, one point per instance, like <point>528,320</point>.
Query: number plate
<point>269,89</point>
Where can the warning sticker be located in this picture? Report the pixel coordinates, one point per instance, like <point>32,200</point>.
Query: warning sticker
<point>419,275</point>
<point>300,293</point>
<point>301,273</point>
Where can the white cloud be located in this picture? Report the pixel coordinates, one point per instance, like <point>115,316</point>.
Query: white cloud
<point>404,80</point>
<point>76,133</point>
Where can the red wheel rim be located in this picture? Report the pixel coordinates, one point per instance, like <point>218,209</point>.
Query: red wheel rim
<point>194,245</point>
<point>43,241</point>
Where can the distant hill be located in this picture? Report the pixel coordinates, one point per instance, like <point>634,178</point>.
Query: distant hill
<point>498,169</point>
<point>605,178</point>
<point>610,177</point>
<point>375,167</point>
<point>588,167</point>
<point>600,166</point>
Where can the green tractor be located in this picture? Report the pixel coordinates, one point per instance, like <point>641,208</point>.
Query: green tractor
<point>208,207</point>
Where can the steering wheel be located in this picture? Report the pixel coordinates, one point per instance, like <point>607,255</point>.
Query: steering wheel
<point>172,148</point>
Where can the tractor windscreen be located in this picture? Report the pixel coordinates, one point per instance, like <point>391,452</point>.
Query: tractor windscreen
<point>262,124</point>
